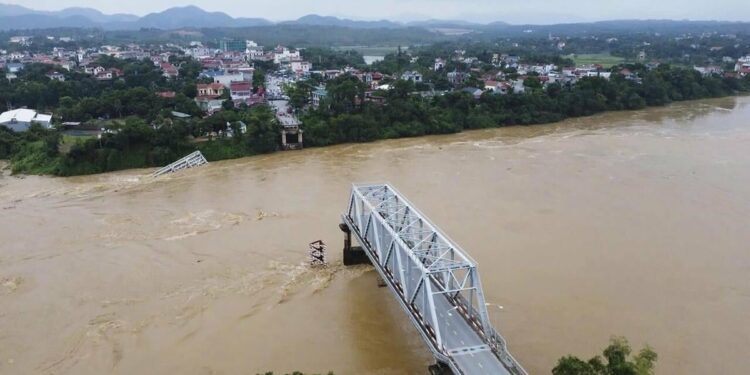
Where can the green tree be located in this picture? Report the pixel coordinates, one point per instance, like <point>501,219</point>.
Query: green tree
<point>617,362</point>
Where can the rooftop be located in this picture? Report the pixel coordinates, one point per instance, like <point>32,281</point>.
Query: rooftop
<point>24,115</point>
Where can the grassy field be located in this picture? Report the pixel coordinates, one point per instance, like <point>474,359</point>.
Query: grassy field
<point>603,59</point>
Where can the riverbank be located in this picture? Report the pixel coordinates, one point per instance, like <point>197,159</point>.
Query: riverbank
<point>340,120</point>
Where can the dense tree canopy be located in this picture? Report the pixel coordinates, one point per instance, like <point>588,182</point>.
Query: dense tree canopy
<point>82,97</point>
<point>347,117</point>
<point>615,362</point>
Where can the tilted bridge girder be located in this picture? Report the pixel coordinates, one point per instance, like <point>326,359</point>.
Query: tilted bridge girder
<point>433,279</point>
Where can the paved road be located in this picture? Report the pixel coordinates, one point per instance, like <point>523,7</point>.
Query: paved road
<point>471,354</point>
<point>464,345</point>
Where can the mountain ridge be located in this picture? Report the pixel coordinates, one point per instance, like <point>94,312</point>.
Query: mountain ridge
<point>16,17</point>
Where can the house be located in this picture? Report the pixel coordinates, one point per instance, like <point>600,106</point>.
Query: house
<point>209,104</point>
<point>56,76</point>
<point>212,90</point>
<point>491,85</point>
<point>597,73</point>
<point>109,74</point>
<point>22,40</point>
<point>318,95</point>
<point>412,76</point>
<point>301,67</point>
<point>439,64</point>
<point>226,79</point>
<point>169,70</point>
<point>240,90</point>
<point>372,98</point>
<point>166,94</point>
<point>473,91</point>
<point>21,119</point>
<point>14,68</point>
<point>282,54</point>
<point>708,71</point>
<point>93,70</point>
<point>743,66</point>
<point>504,88</point>
<point>457,78</point>
<point>208,99</point>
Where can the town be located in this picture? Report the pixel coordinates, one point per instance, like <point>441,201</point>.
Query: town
<point>236,89</point>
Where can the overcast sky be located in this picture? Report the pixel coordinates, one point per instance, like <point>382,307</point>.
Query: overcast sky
<point>513,11</point>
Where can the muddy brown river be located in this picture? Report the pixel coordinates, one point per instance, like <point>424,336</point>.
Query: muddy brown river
<point>630,223</point>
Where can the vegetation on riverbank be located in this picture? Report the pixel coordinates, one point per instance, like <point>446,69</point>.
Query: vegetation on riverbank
<point>617,361</point>
<point>346,117</point>
<point>133,143</point>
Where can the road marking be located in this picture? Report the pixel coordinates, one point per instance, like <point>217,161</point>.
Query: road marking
<point>480,365</point>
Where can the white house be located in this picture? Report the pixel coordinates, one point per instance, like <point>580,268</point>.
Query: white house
<point>439,64</point>
<point>285,55</point>
<point>743,64</point>
<point>227,78</point>
<point>412,76</point>
<point>22,40</point>
<point>21,119</point>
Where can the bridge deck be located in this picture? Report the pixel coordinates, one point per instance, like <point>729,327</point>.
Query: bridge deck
<point>432,279</point>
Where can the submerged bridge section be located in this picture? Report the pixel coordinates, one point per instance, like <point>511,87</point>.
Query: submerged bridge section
<point>434,281</point>
<point>193,160</point>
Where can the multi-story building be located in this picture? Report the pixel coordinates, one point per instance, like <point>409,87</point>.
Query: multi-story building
<point>234,45</point>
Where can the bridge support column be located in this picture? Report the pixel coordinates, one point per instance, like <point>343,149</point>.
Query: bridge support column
<point>353,255</point>
<point>440,369</point>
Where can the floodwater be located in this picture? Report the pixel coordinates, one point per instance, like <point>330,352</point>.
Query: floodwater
<point>630,223</point>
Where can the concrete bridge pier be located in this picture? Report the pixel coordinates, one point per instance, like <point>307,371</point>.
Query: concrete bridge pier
<point>353,255</point>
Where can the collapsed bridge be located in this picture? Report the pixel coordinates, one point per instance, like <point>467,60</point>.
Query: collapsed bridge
<point>433,280</point>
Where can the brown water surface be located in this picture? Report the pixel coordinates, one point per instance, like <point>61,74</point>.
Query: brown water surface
<point>631,223</point>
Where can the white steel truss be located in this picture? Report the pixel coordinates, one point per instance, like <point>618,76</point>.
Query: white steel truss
<point>424,268</point>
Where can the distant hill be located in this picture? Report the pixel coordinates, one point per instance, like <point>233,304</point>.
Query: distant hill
<point>192,16</point>
<point>444,23</point>
<point>17,17</point>
<point>34,21</point>
<point>7,10</point>
<point>316,20</point>
<point>667,27</point>
<point>95,15</point>
<point>69,17</point>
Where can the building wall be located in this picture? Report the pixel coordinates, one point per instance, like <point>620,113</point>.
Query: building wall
<point>17,126</point>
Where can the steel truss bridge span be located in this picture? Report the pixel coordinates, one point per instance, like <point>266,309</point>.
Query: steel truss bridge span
<point>435,281</point>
